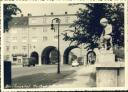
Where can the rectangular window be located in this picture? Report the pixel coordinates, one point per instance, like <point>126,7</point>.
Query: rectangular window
<point>34,46</point>
<point>34,28</point>
<point>56,37</point>
<point>24,37</point>
<point>7,48</point>
<point>7,57</point>
<point>14,31</point>
<point>14,58</point>
<point>45,38</point>
<point>34,39</point>
<point>30,46</point>
<point>44,29</point>
<point>19,60</point>
<point>24,47</point>
<point>44,20</point>
<point>66,19</point>
<point>14,47</point>
<point>14,39</point>
<point>24,41</point>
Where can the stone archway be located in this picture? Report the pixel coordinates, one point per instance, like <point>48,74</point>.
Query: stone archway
<point>66,54</point>
<point>49,55</point>
<point>36,56</point>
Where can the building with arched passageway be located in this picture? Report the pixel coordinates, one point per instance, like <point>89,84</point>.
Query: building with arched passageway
<point>31,36</point>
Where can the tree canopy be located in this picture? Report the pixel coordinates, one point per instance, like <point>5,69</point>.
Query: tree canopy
<point>88,28</point>
<point>9,10</point>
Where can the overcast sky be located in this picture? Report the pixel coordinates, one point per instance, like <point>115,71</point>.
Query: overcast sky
<point>41,9</point>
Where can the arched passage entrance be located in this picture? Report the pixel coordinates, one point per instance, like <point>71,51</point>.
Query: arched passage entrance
<point>66,54</point>
<point>36,56</point>
<point>91,57</point>
<point>49,55</point>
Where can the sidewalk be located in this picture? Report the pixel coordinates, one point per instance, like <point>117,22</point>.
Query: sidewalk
<point>84,77</point>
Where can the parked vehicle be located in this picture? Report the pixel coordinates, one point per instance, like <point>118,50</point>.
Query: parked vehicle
<point>29,62</point>
<point>75,63</point>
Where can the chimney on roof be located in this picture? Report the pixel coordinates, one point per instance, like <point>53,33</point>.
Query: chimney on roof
<point>51,13</point>
<point>66,12</point>
<point>29,14</point>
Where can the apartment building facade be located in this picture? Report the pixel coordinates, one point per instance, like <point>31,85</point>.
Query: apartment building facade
<point>31,36</point>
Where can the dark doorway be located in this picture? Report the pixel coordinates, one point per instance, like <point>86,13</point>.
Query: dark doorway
<point>49,55</point>
<point>36,56</point>
<point>91,57</point>
<point>67,52</point>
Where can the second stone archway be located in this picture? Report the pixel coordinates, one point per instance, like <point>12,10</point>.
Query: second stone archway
<point>50,55</point>
<point>66,54</point>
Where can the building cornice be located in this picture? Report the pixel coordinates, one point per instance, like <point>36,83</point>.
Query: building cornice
<point>46,25</point>
<point>54,15</point>
<point>46,15</point>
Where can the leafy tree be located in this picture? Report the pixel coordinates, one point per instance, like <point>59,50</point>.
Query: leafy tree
<point>54,56</point>
<point>9,10</point>
<point>87,26</point>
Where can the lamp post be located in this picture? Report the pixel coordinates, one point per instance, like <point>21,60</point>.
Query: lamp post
<point>53,28</point>
<point>28,43</point>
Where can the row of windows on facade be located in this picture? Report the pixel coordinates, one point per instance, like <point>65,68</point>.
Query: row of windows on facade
<point>44,20</point>
<point>41,29</point>
<point>23,47</point>
<point>35,29</point>
<point>33,39</point>
<point>44,29</point>
<point>16,59</point>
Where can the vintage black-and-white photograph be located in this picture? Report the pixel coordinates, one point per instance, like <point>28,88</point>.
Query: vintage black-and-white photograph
<point>63,45</point>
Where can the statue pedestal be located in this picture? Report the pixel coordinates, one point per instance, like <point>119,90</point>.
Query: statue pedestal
<point>108,72</point>
<point>110,75</point>
<point>104,56</point>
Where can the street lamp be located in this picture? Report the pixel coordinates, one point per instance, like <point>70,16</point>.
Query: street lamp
<point>53,28</point>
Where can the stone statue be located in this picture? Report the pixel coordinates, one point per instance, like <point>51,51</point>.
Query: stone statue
<point>106,38</point>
